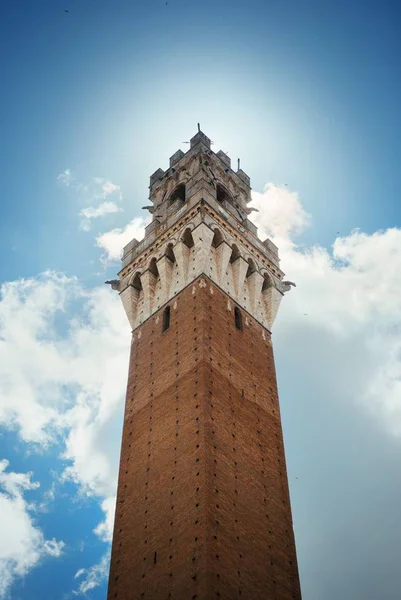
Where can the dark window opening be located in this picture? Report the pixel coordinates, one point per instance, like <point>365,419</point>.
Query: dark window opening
<point>178,194</point>
<point>266,282</point>
<point>188,239</point>
<point>217,238</point>
<point>166,318</point>
<point>238,318</point>
<point>136,283</point>
<point>222,194</point>
<point>251,268</point>
<point>155,558</point>
<point>153,267</point>
<point>170,253</point>
<point>234,254</point>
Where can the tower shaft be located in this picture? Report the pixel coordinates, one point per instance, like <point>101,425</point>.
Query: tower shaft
<point>203,508</point>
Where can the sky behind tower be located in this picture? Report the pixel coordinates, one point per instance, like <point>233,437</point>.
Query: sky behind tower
<point>95,97</point>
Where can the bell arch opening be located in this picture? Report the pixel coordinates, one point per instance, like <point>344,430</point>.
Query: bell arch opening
<point>177,194</point>
<point>222,194</point>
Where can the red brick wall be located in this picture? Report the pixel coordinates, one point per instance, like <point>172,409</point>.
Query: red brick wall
<point>203,508</point>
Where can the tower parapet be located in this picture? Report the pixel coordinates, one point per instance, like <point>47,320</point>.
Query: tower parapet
<point>200,226</point>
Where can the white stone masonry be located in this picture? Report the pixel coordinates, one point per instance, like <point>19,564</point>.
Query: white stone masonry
<point>201,247</point>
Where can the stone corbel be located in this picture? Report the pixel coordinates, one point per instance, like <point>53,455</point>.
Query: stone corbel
<point>203,237</point>
<point>165,268</point>
<point>255,283</point>
<point>240,267</point>
<point>129,297</point>
<point>272,298</point>
<point>222,257</point>
<point>148,281</point>
<point>182,254</point>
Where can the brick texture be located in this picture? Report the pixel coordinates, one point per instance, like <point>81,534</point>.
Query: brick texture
<point>203,508</point>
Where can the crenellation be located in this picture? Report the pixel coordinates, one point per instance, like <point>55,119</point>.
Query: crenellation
<point>156,176</point>
<point>200,138</point>
<point>176,157</point>
<point>224,158</point>
<point>244,177</point>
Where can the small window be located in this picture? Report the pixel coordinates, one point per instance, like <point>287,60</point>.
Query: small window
<point>166,318</point>
<point>238,318</point>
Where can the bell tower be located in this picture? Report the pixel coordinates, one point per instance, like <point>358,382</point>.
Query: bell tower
<point>203,508</point>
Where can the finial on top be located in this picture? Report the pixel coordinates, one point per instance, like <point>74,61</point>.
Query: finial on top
<point>198,126</point>
<point>239,163</point>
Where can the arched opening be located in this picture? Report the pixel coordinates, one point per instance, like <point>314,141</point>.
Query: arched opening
<point>178,194</point>
<point>166,318</point>
<point>217,238</point>
<point>251,268</point>
<point>234,254</point>
<point>170,253</point>
<point>188,239</point>
<point>153,267</point>
<point>136,282</point>
<point>222,194</point>
<point>267,282</point>
<point>238,318</point>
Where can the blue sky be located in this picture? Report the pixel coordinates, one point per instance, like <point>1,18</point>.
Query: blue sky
<point>93,101</point>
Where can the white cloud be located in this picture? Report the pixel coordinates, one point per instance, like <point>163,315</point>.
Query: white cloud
<point>112,242</point>
<point>354,289</point>
<point>105,529</point>
<point>63,371</point>
<point>22,544</point>
<point>107,186</point>
<point>92,212</point>
<point>66,177</point>
<point>94,576</point>
<point>94,194</point>
<point>281,215</point>
<point>50,364</point>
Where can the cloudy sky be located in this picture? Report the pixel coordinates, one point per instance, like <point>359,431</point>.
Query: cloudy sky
<point>93,101</point>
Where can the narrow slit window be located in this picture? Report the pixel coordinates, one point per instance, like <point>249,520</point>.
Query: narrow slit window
<point>238,318</point>
<point>166,318</point>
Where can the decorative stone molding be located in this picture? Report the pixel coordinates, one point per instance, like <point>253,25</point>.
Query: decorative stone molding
<point>193,254</point>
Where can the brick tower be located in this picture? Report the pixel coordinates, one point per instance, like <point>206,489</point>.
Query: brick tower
<point>203,509</point>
